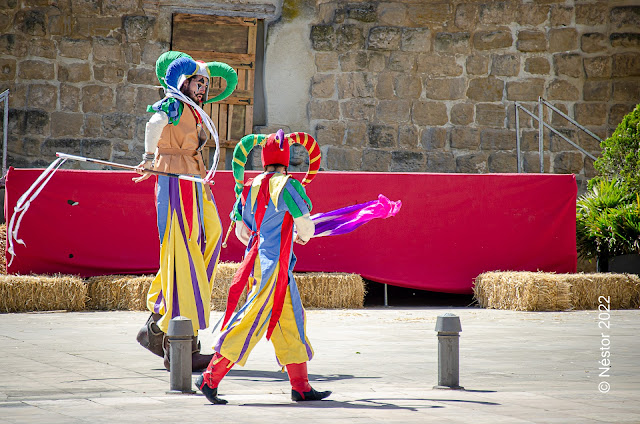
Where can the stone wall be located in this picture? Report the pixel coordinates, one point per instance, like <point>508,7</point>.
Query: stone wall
<point>82,72</point>
<point>396,85</point>
<point>80,75</point>
<point>421,85</point>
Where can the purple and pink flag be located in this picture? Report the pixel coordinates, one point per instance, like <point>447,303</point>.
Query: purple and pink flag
<point>347,219</point>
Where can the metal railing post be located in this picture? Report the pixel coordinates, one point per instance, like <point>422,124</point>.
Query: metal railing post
<point>5,98</point>
<point>518,152</point>
<point>573,121</point>
<point>542,125</point>
<point>541,134</point>
<point>559,134</point>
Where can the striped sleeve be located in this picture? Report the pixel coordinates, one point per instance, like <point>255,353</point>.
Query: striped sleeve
<point>296,198</point>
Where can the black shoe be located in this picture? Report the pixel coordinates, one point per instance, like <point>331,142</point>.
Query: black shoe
<point>310,395</point>
<point>208,392</point>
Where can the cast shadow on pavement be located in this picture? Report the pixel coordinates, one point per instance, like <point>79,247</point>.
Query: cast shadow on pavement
<point>373,403</point>
<point>257,376</point>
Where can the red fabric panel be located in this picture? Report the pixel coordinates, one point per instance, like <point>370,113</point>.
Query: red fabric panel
<point>111,230</point>
<point>451,227</point>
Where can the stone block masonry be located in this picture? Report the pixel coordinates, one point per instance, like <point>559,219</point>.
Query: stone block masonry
<point>81,74</point>
<point>435,83</point>
<point>396,85</point>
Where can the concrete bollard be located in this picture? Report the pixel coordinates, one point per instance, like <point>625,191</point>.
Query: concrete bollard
<point>448,328</point>
<point>180,335</point>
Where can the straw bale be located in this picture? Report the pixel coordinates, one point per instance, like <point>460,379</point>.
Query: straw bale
<point>540,291</point>
<point>331,290</point>
<point>24,293</point>
<point>129,292</point>
<point>522,291</point>
<point>221,284</point>
<point>3,249</point>
<point>118,292</point>
<point>317,289</point>
<point>622,290</point>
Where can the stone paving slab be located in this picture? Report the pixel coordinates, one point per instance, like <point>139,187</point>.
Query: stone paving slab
<point>380,363</point>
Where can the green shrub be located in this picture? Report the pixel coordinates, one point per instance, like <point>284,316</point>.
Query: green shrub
<point>621,152</point>
<point>608,221</point>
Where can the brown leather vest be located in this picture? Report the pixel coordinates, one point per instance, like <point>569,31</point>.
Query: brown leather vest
<point>178,147</point>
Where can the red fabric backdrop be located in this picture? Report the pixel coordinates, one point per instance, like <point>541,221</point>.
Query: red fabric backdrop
<point>451,227</point>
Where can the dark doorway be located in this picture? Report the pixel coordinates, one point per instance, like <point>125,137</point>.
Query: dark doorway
<point>401,296</point>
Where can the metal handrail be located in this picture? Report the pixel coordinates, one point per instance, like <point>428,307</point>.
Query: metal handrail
<point>541,125</point>
<point>4,97</point>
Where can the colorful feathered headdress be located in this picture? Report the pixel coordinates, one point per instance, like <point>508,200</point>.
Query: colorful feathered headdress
<point>275,149</point>
<point>172,69</point>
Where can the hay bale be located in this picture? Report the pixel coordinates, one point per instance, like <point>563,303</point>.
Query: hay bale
<point>25,293</point>
<point>522,291</point>
<point>331,290</point>
<point>118,292</point>
<point>317,289</point>
<point>541,291</point>
<point>129,292</point>
<point>221,284</point>
<point>3,249</point>
<point>623,290</point>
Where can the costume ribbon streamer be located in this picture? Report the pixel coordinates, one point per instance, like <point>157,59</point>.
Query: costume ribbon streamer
<point>23,205</point>
<point>38,185</point>
<point>347,219</point>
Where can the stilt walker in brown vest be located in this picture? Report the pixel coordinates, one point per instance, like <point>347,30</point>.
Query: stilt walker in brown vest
<point>189,226</point>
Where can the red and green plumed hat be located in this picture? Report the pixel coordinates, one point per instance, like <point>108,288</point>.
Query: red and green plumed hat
<point>275,150</point>
<point>174,67</point>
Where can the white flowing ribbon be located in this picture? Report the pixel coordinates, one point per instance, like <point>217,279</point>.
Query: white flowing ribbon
<point>30,195</point>
<point>23,205</point>
<point>171,91</point>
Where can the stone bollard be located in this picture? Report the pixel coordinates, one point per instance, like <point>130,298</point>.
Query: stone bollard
<point>180,335</point>
<point>448,328</point>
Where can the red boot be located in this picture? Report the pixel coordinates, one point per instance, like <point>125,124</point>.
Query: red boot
<point>209,380</point>
<point>301,390</point>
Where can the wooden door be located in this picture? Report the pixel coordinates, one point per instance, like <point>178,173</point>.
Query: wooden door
<point>231,40</point>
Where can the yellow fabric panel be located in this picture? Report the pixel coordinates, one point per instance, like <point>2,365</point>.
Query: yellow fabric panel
<point>213,233</point>
<point>174,260</point>
<point>276,184</point>
<point>255,187</point>
<point>286,340</point>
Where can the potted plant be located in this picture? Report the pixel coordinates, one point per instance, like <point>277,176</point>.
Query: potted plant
<point>608,215</point>
<point>608,226</point>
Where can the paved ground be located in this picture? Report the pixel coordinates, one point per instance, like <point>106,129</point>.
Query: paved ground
<point>381,364</point>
